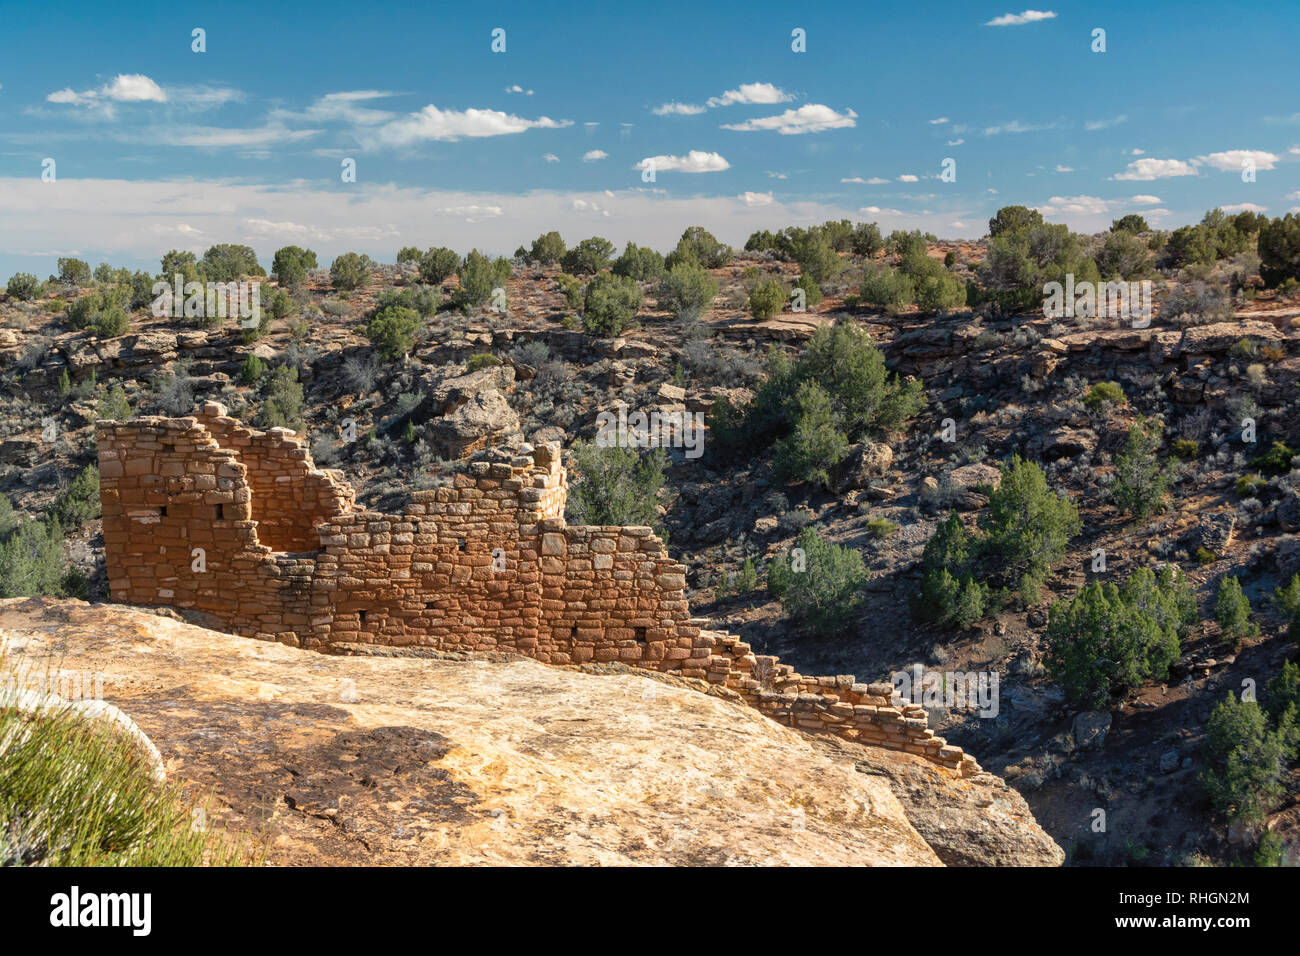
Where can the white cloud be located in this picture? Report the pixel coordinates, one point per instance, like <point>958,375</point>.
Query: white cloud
<point>516,88</point>
<point>125,88</point>
<point>1294,150</point>
<point>1137,152</point>
<point>1015,126</point>
<point>551,158</point>
<point>341,107</point>
<point>1244,207</point>
<point>1016,19</point>
<point>873,181</point>
<point>1064,169</point>
<point>1231,160</point>
<point>941,119</point>
<point>812,118</point>
<point>1141,170</point>
<point>1094,125</point>
<point>472,212</point>
<point>1092,205</point>
<point>678,109</point>
<point>217,137</point>
<point>773,175</point>
<point>764,93</point>
<point>696,161</point>
<point>432,123</point>
<point>956,142</point>
<point>876,210</point>
<point>756,199</point>
<point>1294,195</point>
<point>594,155</point>
<point>908,178</point>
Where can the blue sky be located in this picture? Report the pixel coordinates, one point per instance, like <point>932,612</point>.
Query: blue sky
<point>157,146</point>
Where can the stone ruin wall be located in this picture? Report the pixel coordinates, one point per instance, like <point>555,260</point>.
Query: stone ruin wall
<point>487,563</point>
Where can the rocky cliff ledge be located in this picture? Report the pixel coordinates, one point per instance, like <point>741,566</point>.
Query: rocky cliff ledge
<point>404,760</point>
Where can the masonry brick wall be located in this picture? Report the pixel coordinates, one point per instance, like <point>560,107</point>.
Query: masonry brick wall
<point>206,514</point>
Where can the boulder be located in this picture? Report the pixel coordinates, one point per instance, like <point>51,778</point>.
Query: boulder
<point>1090,728</point>
<point>1214,530</point>
<point>864,461</point>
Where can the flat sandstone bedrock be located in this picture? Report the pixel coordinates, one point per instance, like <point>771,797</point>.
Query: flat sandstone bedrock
<point>389,760</point>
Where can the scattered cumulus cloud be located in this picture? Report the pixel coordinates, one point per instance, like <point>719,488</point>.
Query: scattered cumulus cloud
<point>516,88</point>
<point>812,118</point>
<point>956,142</point>
<point>678,109</point>
<point>1141,170</point>
<point>756,199</point>
<point>1244,207</point>
<point>696,161</point>
<point>1015,126</point>
<point>1064,169</point>
<point>551,158</point>
<point>764,93</point>
<point>594,155</point>
<point>1231,160</point>
<point>939,121</point>
<point>1017,19</point>
<point>432,123</point>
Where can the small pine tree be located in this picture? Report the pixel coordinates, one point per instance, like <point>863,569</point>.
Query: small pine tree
<point>1232,611</point>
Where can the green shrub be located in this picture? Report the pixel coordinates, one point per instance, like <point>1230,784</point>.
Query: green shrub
<point>610,305</point>
<point>102,312</point>
<point>571,286</point>
<point>1014,219</point>
<point>1110,639</point>
<point>350,271</point>
<point>1279,249</point>
<point>74,272</point>
<point>409,254</point>
<point>225,262</point>
<point>481,360</point>
<point>686,290</point>
<point>32,563</point>
<point>1141,480</point>
<point>23,286</point>
<point>881,527</point>
<point>815,445</point>
<point>639,262</point>
<point>291,265</point>
<point>867,240</point>
<point>548,249</point>
<point>1277,461</point>
<point>438,264</point>
<point>282,407</point>
<point>392,331</point>
<point>940,291</point>
<point>77,792</point>
<point>817,258</point>
<point>1249,484</point>
<point>844,361</point>
<point>478,276</point>
<point>825,596</point>
<point>812,292</point>
<point>588,257</point>
<point>767,299</point>
<point>79,502</point>
<point>950,596</point>
<point>1244,761</point>
<point>699,246</point>
<point>113,406</point>
<point>1232,611</point>
<point>887,289</point>
<point>1132,223</point>
<point>252,370</point>
<point>1123,256</point>
<point>615,486</point>
<point>1104,393</point>
<point>1287,599</point>
<point>1027,526</point>
<point>1185,448</point>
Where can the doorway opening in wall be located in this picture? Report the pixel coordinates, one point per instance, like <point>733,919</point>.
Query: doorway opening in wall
<point>362,615</point>
<point>460,544</point>
<point>162,511</point>
<point>640,634</point>
<point>221,512</point>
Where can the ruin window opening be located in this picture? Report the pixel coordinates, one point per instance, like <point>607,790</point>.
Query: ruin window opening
<point>162,511</point>
<point>221,512</point>
<point>640,634</point>
<point>363,616</point>
<point>460,544</point>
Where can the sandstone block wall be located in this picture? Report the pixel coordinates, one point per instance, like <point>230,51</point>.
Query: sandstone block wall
<point>207,514</point>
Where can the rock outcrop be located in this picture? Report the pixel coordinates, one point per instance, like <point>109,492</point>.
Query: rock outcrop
<point>439,760</point>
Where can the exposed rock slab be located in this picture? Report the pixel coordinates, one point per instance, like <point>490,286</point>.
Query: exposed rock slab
<point>418,761</point>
